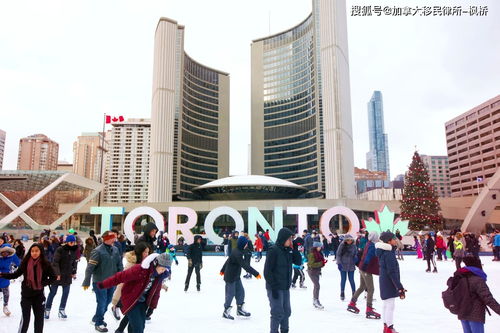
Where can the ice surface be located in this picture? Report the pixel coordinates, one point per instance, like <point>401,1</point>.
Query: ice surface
<point>421,311</point>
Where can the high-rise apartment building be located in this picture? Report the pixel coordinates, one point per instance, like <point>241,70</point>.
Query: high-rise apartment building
<point>301,108</point>
<point>439,173</point>
<point>88,150</point>
<point>473,141</point>
<point>37,152</point>
<point>127,170</point>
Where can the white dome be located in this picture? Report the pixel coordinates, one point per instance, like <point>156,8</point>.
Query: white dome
<point>249,180</point>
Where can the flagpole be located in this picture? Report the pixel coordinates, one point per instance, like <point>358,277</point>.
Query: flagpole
<point>102,157</point>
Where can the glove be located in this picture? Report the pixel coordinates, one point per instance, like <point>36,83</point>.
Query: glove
<point>402,294</point>
<point>340,266</point>
<point>258,277</point>
<point>85,288</point>
<point>221,273</point>
<point>275,294</point>
<point>295,266</point>
<point>190,263</point>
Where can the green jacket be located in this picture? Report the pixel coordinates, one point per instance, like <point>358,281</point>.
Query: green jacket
<point>312,264</point>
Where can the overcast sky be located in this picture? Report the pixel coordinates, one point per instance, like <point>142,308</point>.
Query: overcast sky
<point>65,63</point>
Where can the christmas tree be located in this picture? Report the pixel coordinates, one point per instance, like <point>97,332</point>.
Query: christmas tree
<point>420,203</point>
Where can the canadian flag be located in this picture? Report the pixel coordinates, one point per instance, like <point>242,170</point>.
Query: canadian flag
<point>111,119</point>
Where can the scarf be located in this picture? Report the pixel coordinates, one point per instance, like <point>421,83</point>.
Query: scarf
<point>318,256</point>
<point>34,274</point>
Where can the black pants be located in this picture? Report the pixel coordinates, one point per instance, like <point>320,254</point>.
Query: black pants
<point>458,261</point>
<point>196,268</point>
<point>36,303</point>
<point>137,318</point>
<point>298,273</point>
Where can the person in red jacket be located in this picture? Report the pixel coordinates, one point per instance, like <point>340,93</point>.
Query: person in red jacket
<point>259,247</point>
<point>440,247</point>
<point>142,284</point>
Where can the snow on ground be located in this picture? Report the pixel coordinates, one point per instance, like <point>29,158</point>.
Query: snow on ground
<point>189,312</point>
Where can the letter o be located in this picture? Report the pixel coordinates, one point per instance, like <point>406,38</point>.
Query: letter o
<point>134,215</point>
<point>352,218</point>
<point>214,214</point>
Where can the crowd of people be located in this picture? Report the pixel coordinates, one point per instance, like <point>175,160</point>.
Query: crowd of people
<point>133,290</point>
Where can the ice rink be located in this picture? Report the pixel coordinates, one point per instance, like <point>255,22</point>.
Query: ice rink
<point>180,312</point>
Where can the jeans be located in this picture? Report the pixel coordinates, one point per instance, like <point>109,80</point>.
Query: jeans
<point>366,283</point>
<point>53,291</point>
<point>137,318</point>
<point>472,326</point>
<point>280,310</point>
<point>343,277</point>
<point>103,298</point>
<point>6,293</point>
<point>234,289</point>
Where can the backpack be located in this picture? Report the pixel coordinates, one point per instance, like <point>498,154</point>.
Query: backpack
<point>457,298</point>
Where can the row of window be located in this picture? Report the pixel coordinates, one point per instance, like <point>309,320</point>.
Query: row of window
<point>289,168</point>
<point>290,147</point>
<point>291,161</point>
<point>198,152</point>
<point>289,119</point>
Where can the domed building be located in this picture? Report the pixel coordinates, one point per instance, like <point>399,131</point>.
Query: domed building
<point>249,188</point>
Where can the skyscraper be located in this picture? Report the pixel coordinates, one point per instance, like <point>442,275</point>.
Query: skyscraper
<point>301,108</point>
<point>189,119</point>
<point>87,154</point>
<point>37,152</point>
<point>2,147</point>
<point>377,159</point>
<point>127,170</point>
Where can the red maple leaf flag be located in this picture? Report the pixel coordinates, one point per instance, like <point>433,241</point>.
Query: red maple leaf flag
<point>111,119</point>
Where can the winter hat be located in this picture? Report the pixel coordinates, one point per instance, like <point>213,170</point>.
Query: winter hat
<point>348,237</point>
<point>317,244</point>
<point>242,241</point>
<point>373,237</point>
<point>71,231</point>
<point>7,248</point>
<point>386,236</point>
<point>70,238</point>
<point>163,260</point>
<point>468,261</point>
<point>171,246</point>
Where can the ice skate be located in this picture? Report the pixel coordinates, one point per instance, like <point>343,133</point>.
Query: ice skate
<point>46,314</point>
<point>62,314</point>
<point>241,312</point>
<point>227,313</point>
<point>294,286</point>
<point>371,314</point>
<point>435,270</point>
<point>6,311</point>
<point>101,328</point>
<point>302,286</point>
<point>389,329</point>
<point>317,304</point>
<point>342,296</point>
<point>352,307</point>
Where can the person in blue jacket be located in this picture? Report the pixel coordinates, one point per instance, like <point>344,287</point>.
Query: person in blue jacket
<point>8,260</point>
<point>389,279</point>
<point>173,255</point>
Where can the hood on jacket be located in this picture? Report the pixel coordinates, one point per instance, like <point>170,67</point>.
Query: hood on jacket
<point>373,236</point>
<point>197,237</point>
<point>383,246</point>
<point>150,226</point>
<point>474,270</point>
<point>242,242</point>
<point>130,257</point>
<point>283,235</point>
<point>7,248</point>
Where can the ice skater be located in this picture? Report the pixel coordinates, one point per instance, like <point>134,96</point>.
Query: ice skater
<point>231,270</point>
<point>37,273</point>
<point>195,262</point>
<point>64,266</point>
<point>389,279</point>
<point>368,266</point>
<point>315,261</point>
<point>429,253</point>
<point>346,262</point>
<point>8,260</point>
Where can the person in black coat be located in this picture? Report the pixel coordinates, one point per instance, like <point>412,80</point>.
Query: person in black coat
<point>247,254</point>
<point>429,253</point>
<point>335,243</point>
<point>64,266</point>
<point>389,278</point>
<point>278,275</point>
<point>149,236</point>
<point>232,272</point>
<point>37,273</point>
<point>194,256</point>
